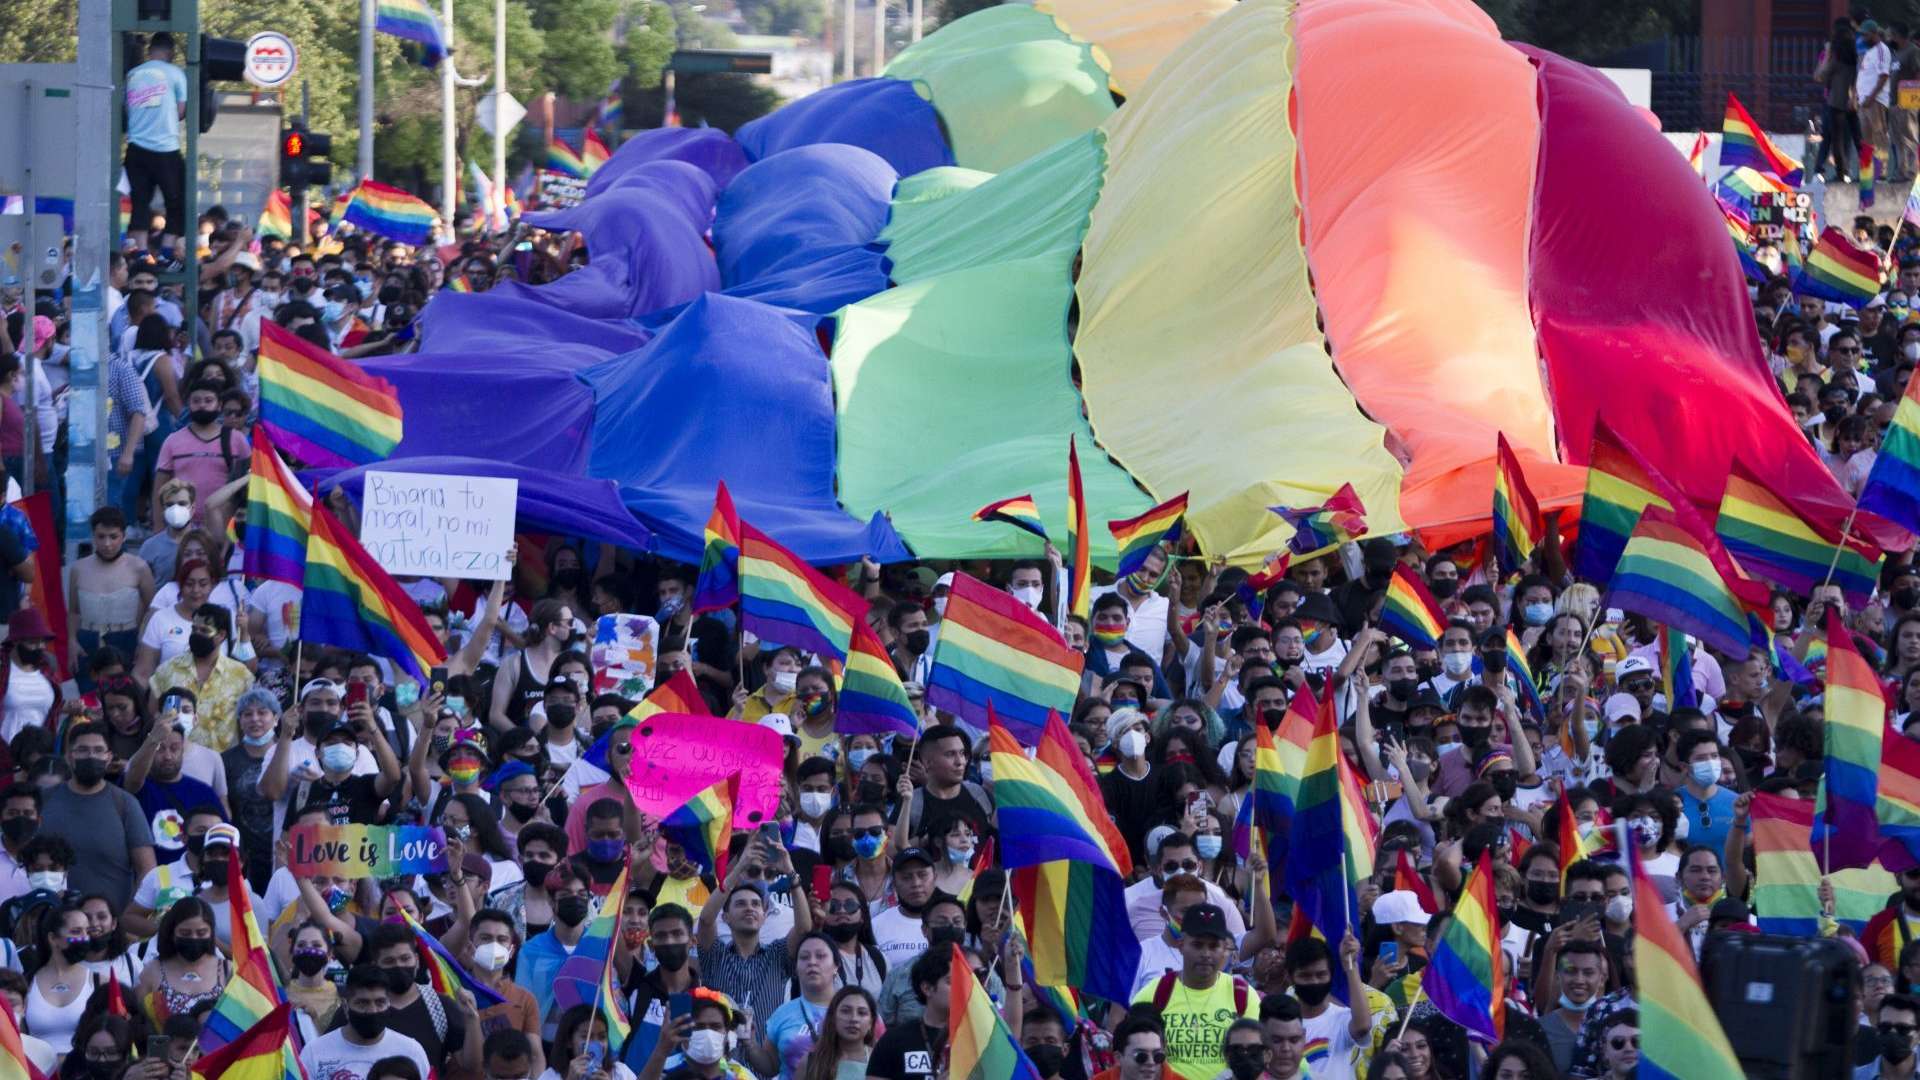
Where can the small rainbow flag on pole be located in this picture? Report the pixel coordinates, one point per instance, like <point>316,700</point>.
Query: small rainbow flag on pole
<point>1138,537</point>
<point>1892,489</point>
<point>718,585</point>
<point>1252,591</point>
<point>872,699</point>
<point>443,971</point>
<point>786,602</point>
<point>1019,512</point>
<point>1573,846</point>
<point>586,976</point>
<point>1897,801</point>
<point>1516,515</point>
<point>1868,167</point>
<point>1680,1037</point>
<point>276,219</point>
<point>1848,832</point>
<point>350,602</point>
<point>703,825</point>
<point>1331,837</point>
<point>979,1046</point>
<point>1620,484</point>
<point>1772,540</point>
<point>326,411</point>
<point>414,21</point>
<point>1522,673</point>
<point>264,1051</point>
<point>995,654</point>
<point>1051,807</point>
<point>1697,155</point>
<point>1743,142</point>
<point>611,113</point>
<point>279,515</point>
<point>1674,572</point>
<point>1074,915</point>
<point>1466,977</point>
<point>1837,270</point>
<point>392,213</point>
<point>1335,521</point>
<point>562,159</point>
<point>677,694</point>
<point>1409,610</point>
<point>593,152</point>
<point>15,1065</point>
<point>1079,562</point>
<point>252,992</point>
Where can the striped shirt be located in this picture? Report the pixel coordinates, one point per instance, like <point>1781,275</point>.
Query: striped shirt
<point>759,980</point>
<point>126,396</point>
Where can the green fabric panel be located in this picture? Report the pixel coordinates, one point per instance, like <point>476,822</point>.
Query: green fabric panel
<point>1008,82</point>
<point>955,391</point>
<point>1039,206</point>
<point>918,195</point>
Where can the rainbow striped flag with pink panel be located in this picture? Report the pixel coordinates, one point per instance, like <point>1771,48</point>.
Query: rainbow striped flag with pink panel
<point>1743,142</point>
<point>1837,270</point>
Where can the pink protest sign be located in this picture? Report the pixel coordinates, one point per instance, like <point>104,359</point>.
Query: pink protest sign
<point>676,756</point>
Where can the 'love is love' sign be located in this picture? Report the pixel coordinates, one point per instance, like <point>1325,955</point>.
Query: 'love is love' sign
<point>358,851</point>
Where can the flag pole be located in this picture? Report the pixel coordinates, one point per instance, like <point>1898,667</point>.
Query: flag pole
<point>1418,992</point>
<point>1846,531</point>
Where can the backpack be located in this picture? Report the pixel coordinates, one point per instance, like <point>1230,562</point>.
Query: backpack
<point>1163,992</point>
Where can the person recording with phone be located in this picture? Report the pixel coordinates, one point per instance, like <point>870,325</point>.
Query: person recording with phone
<point>215,679</point>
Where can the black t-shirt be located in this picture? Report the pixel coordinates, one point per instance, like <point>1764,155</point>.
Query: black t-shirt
<point>353,801</point>
<point>416,1022</point>
<point>13,552</point>
<point>908,1052</point>
<point>1133,804</point>
<point>603,873</point>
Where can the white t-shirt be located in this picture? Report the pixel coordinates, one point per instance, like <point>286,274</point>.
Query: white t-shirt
<point>305,766</point>
<point>1326,661</point>
<point>513,618</point>
<point>1156,959</point>
<point>1147,626</point>
<point>230,593</point>
<point>167,632</point>
<point>899,937</point>
<point>29,698</point>
<point>1876,62</point>
<point>279,603</point>
<point>332,1057</point>
<point>1328,1053</point>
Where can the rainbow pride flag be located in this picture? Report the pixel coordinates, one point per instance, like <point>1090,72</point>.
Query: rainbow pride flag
<point>1079,562</point>
<point>1743,142</point>
<point>1772,541</point>
<point>1697,155</point>
<point>1074,916</point>
<point>1573,846</point>
<point>1837,270</point>
<point>1019,512</point>
<point>445,973</point>
<point>1892,489</point>
<point>1856,715</point>
<point>678,694</point>
<point>279,514</point>
<point>562,159</point>
<point>1676,669</point>
<point>1790,251</point>
<point>1786,878</point>
<point>1409,610</point>
<point>593,152</point>
<point>611,113</point>
<point>14,1063</point>
<point>979,1045</point>
<point>1674,572</point>
<point>1137,537</point>
<point>1517,527</point>
<point>1331,841</point>
<point>265,1051</point>
<point>786,602</point>
<point>718,585</point>
<point>1252,589</point>
<point>1680,1037</point>
<point>1335,521</point>
<point>872,699</point>
<point>276,218</point>
<point>254,989</point>
<point>1620,484</point>
<point>1522,673</point>
<point>1868,167</point>
<point>1897,801</point>
<point>392,213</point>
<point>414,21</point>
<point>703,825</point>
<point>1049,805</point>
<point>586,976</point>
<point>994,653</point>
<point>351,603</point>
<point>326,411</point>
<point>1466,977</point>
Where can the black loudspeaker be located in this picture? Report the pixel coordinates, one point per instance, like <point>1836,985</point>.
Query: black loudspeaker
<point>1786,1003</point>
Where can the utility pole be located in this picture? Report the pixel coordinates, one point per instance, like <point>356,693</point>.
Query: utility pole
<point>846,45</point>
<point>918,13</point>
<point>449,165</point>
<point>500,90</point>
<point>94,226</point>
<point>365,165</point>
<point>879,36</point>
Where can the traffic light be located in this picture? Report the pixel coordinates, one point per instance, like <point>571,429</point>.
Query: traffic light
<point>221,60</point>
<point>303,158</point>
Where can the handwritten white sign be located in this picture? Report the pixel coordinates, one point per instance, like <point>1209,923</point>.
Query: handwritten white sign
<point>439,526</point>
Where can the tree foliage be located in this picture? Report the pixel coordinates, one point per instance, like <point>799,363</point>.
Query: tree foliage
<point>945,11</point>
<point>802,18</point>
<point>1591,30</point>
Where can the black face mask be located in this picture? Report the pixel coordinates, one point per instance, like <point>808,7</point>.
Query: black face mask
<point>536,872</point>
<point>918,640</point>
<point>102,1070</point>
<point>399,979</point>
<point>192,948</point>
<point>839,849</point>
<point>1543,893</point>
<point>1428,669</point>
<point>1312,994</point>
<point>840,932</point>
<point>872,791</point>
<point>1402,689</point>
<point>560,716</point>
<point>30,655</point>
<point>1505,783</point>
<point>89,770</point>
<point>195,844</point>
<point>309,963</point>
<point>1444,588</point>
<point>214,870</point>
<point>1474,737</point>
<point>571,910</point>
<point>317,724</point>
<point>1378,576</point>
<point>204,416</point>
<point>521,812</point>
<point>1905,599</point>
<point>202,645</point>
<point>75,951</point>
<point>1273,717</point>
<point>1895,1047</point>
<point>1048,1059</point>
<point>367,1025</point>
<point>1246,1062</point>
<point>1834,413</point>
<point>671,957</point>
<point>1495,663</point>
<point>942,936</point>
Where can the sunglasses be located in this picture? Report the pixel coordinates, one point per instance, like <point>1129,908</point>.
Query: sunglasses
<point>1170,868</point>
<point>1141,1057</point>
<point>874,833</point>
<point>1620,1042</point>
<point>1890,1028</point>
<point>843,907</point>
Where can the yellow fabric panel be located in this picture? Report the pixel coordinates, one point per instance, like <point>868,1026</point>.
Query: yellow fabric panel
<point>1202,367</point>
<point>1135,34</point>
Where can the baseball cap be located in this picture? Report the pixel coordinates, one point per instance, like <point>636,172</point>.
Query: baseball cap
<point>1632,665</point>
<point>1399,906</point>
<point>779,722</point>
<point>912,854</point>
<point>944,581</point>
<point>1622,706</point>
<point>1205,920</point>
<point>42,332</point>
<point>222,833</point>
<point>315,686</point>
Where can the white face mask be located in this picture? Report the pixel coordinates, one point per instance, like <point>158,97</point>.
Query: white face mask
<point>1457,665</point>
<point>1620,908</point>
<point>1680,827</point>
<point>177,516</point>
<point>1133,744</point>
<point>782,681</point>
<point>492,955</point>
<point>705,1046</point>
<point>1028,594</point>
<point>940,607</point>
<point>47,881</point>
<point>815,804</point>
